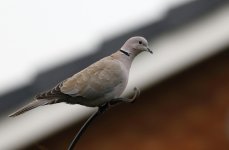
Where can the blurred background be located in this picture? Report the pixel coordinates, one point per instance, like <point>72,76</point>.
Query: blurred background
<point>184,101</point>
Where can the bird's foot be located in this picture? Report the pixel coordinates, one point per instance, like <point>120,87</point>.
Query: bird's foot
<point>128,100</point>
<point>136,94</point>
<point>103,108</point>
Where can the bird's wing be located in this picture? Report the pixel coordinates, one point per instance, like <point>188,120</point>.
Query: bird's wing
<point>94,81</point>
<point>54,93</point>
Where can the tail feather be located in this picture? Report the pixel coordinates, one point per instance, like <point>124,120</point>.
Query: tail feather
<point>31,105</point>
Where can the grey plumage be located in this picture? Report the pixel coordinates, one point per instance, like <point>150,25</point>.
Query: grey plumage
<point>101,82</point>
<point>30,106</point>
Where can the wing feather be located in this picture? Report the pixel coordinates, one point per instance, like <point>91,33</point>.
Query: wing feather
<point>95,80</point>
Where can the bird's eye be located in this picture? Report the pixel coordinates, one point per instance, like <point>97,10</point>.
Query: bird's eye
<point>140,42</point>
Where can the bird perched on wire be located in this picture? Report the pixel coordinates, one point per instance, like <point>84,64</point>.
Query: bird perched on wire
<point>98,84</point>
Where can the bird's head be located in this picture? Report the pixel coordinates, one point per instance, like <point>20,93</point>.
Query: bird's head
<point>136,45</point>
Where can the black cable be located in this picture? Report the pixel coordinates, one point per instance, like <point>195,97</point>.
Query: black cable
<point>86,124</point>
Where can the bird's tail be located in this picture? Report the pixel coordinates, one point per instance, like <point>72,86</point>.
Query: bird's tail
<point>31,105</point>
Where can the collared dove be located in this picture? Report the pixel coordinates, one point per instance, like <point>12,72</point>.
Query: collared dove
<point>99,83</point>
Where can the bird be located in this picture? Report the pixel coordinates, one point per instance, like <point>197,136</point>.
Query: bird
<point>98,84</point>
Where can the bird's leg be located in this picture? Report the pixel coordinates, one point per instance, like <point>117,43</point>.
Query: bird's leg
<point>103,108</point>
<point>119,100</point>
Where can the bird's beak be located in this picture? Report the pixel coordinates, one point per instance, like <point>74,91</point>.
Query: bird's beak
<point>149,50</point>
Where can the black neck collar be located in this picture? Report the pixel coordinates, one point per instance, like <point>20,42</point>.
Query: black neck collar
<point>124,52</point>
